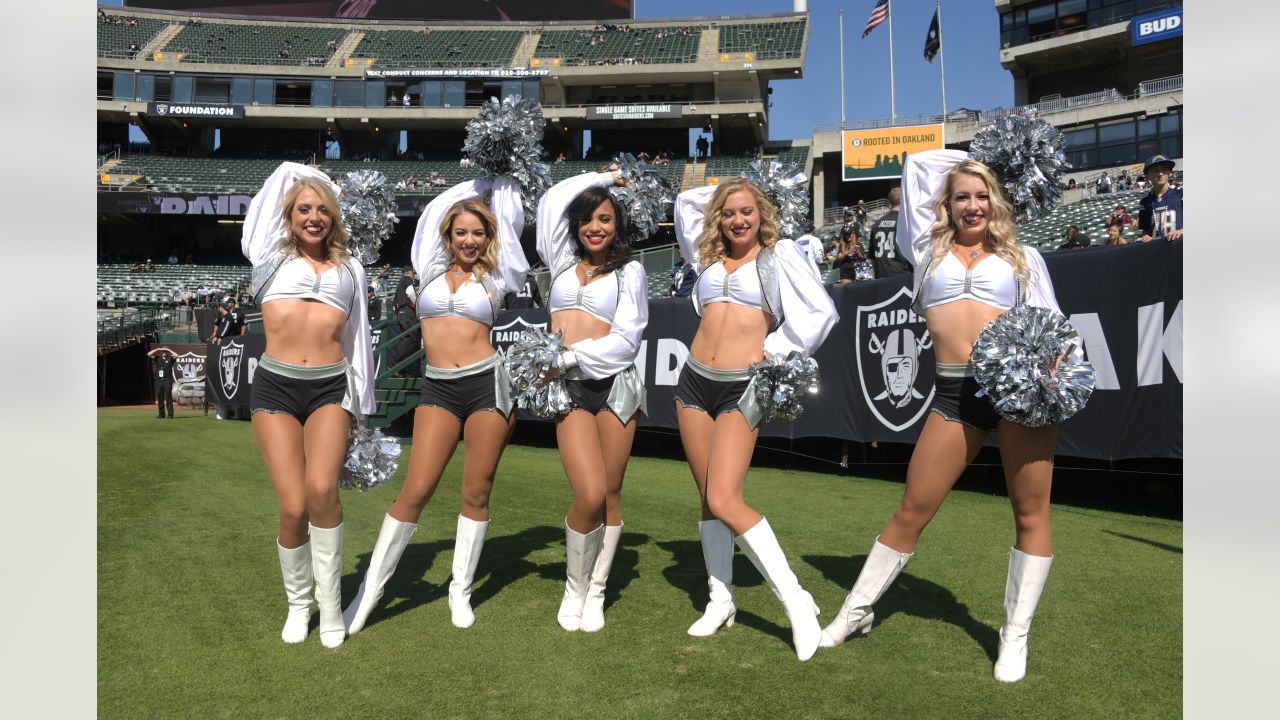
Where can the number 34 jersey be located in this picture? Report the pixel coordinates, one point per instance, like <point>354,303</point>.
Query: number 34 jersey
<point>885,259</point>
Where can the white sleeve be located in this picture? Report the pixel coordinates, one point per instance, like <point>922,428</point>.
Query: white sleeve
<point>428,245</point>
<point>807,310</point>
<point>357,344</point>
<point>922,179</point>
<point>690,214</point>
<point>607,356</point>
<point>508,209</point>
<point>555,246</point>
<point>264,229</point>
<point>1040,290</point>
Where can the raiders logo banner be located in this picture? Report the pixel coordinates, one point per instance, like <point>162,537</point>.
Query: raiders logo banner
<point>230,368</point>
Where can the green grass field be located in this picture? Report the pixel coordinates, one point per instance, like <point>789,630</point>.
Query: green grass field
<point>190,601</point>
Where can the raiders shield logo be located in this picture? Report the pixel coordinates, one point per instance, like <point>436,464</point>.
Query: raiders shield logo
<point>505,336</point>
<point>229,356</point>
<point>891,341</point>
<point>162,108</point>
<point>190,365</point>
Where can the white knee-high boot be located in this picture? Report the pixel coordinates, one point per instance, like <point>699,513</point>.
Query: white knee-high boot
<point>760,544</point>
<point>717,553</point>
<point>878,573</point>
<point>581,552</point>
<point>387,549</point>
<point>1027,576</point>
<point>295,567</point>
<point>593,609</point>
<point>326,566</point>
<point>466,556</point>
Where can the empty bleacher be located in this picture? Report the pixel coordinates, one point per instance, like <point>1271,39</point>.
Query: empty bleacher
<point>114,39</point>
<point>252,44</point>
<point>639,45</point>
<point>766,40</point>
<point>196,174</point>
<point>428,47</point>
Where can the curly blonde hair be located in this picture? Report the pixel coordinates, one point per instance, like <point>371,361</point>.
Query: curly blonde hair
<point>714,245</point>
<point>336,241</point>
<point>1001,230</point>
<point>488,260</point>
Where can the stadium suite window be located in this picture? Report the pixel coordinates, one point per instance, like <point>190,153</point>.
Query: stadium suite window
<point>348,92</point>
<point>455,93</point>
<point>322,93</point>
<point>431,91</point>
<point>122,86</point>
<point>182,88</point>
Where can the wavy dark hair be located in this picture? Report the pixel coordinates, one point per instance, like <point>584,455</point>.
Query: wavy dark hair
<point>579,213</point>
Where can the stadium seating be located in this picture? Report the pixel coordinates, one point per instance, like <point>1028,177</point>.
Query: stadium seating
<point>196,174</point>
<point>252,44</point>
<point>767,40</point>
<point>439,47</point>
<point>1090,215</point>
<point>114,40</point>
<point>641,45</point>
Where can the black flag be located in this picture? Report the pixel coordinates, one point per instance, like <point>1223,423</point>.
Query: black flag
<point>932,43</point>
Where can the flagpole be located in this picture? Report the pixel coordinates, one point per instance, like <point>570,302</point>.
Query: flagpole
<point>942,63</point>
<point>893,113</point>
<point>842,69</point>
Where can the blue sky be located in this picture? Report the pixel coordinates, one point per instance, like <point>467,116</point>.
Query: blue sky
<point>970,44</point>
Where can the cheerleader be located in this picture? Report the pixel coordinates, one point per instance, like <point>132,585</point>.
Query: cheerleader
<point>468,255</point>
<point>957,230</point>
<point>315,375</point>
<point>757,294</point>
<point>599,304</point>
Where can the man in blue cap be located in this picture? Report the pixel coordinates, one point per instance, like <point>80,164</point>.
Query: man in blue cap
<point>1161,213</point>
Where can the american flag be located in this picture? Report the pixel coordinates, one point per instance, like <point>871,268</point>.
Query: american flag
<point>878,15</point>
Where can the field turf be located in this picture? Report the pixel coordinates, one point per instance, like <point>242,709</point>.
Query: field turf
<point>190,601</point>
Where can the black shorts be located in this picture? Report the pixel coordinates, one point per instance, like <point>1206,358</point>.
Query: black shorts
<point>590,395</point>
<point>273,392</point>
<point>460,396</point>
<point>954,400</point>
<point>710,396</point>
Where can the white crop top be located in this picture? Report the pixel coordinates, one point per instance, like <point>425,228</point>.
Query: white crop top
<point>296,279</point>
<point>740,287</point>
<point>598,298</point>
<point>470,302</point>
<point>991,282</point>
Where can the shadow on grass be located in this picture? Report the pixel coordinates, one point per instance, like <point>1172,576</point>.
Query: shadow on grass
<point>911,595</point>
<point>1145,541</point>
<point>501,563</point>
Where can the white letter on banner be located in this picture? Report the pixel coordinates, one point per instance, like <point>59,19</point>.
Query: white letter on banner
<point>173,206</point>
<point>640,359</point>
<point>1096,351</point>
<point>668,348</point>
<point>253,368</point>
<point>1157,341</point>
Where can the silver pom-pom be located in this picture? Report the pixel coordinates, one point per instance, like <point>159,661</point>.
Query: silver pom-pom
<point>784,185</point>
<point>1021,362</point>
<point>505,138</point>
<point>646,196</point>
<point>1027,157</point>
<point>535,354</point>
<point>368,212</point>
<point>781,383</point>
<point>372,458</point>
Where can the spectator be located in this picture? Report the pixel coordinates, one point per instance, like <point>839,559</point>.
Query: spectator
<point>810,245</point>
<point>1104,183</point>
<point>1121,218</point>
<point>1071,184</point>
<point>1114,236</point>
<point>383,278</point>
<point>849,251</point>
<point>683,278</point>
<point>392,100</point>
<point>332,46</point>
<point>375,307</point>
<point>407,101</point>
<point>702,146</point>
<point>173,258</point>
<point>132,50</point>
<point>1161,214</point>
<point>151,267</point>
<point>560,158</point>
<point>1075,239</point>
<point>860,213</point>
<point>406,310</point>
<point>885,259</point>
<point>527,296</point>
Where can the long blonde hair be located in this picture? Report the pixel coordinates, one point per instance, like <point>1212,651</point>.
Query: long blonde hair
<point>714,245</point>
<point>336,241</point>
<point>488,260</point>
<point>1001,230</point>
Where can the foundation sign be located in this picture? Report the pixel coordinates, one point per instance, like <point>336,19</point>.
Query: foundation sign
<point>880,153</point>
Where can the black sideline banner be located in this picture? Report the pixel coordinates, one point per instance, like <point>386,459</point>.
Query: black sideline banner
<point>877,364</point>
